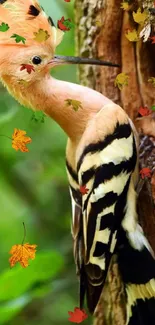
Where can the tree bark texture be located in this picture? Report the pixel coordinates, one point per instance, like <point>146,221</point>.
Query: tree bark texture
<point>100,33</point>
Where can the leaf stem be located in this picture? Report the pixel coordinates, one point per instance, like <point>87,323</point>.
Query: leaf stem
<point>2,135</point>
<point>24,233</point>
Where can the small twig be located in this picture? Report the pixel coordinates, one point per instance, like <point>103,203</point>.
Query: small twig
<point>2,135</point>
<point>24,233</point>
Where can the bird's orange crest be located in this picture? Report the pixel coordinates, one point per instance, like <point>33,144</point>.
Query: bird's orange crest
<point>24,18</point>
<point>28,39</point>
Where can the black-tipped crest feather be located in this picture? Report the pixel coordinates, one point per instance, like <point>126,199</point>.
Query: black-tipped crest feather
<point>33,11</point>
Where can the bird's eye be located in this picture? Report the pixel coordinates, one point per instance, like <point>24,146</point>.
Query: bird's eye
<point>36,60</point>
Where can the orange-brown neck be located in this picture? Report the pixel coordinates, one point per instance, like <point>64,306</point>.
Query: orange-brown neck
<point>49,95</point>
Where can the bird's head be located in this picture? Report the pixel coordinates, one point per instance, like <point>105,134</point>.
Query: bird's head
<point>28,39</point>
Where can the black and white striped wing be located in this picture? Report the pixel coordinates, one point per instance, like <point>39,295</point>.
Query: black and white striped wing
<point>104,169</point>
<point>76,224</point>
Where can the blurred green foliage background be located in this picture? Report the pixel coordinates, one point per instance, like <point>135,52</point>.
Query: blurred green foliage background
<point>34,190</point>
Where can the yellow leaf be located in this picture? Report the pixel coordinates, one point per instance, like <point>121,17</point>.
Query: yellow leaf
<point>98,23</point>
<point>152,80</point>
<point>20,141</point>
<point>132,36</point>
<point>41,35</point>
<point>124,5</point>
<point>121,80</point>
<point>21,254</point>
<point>76,104</point>
<point>23,82</point>
<point>140,17</point>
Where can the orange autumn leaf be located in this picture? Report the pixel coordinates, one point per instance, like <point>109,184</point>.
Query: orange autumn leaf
<point>21,254</point>
<point>20,140</point>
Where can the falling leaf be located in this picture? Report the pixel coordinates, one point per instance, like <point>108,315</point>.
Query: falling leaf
<point>23,82</point>
<point>144,111</point>
<point>21,254</point>
<point>153,108</point>
<point>145,172</point>
<point>76,104</point>
<point>153,39</point>
<point>121,80</point>
<point>62,24</point>
<point>4,27</point>
<point>124,5</point>
<point>41,35</point>
<point>18,38</point>
<point>20,140</point>
<point>83,189</point>
<point>152,80</point>
<point>98,23</point>
<point>68,23</point>
<point>77,316</point>
<point>38,116</point>
<point>140,17</point>
<point>132,36</point>
<point>145,32</point>
<point>67,0</point>
<point>28,67</point>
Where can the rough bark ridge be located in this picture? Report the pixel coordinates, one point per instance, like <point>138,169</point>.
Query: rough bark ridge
<point>101,33</point>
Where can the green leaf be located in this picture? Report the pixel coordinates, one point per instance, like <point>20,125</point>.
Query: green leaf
<point>68,23</point>
<point>16,281</point>
<point>153,108</point>
<point>75,104</point>
<point>18,38</point>
<point>38,117</point>
<point>4,27</point>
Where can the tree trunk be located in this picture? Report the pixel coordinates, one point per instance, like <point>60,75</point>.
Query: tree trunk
<point>101,28</point>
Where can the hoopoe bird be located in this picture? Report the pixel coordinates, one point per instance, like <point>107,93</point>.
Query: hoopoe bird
<point>101,159</point>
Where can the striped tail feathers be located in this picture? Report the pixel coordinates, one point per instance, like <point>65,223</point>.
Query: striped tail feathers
<point>130,224</point>
<point>93,279</point>
<point>137,268</point>
<point>141,303</point>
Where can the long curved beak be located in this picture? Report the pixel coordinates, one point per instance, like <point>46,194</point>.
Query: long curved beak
<point>61,60</point>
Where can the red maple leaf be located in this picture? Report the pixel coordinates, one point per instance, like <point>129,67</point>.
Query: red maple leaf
<point>153,39</point>
<point>61,25</point>
<point>83,189</point>
<point>145,172</point>
<point>28,67</point>
<point>144,111</point>
<point>77,316</point>
<point>67,0</point>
